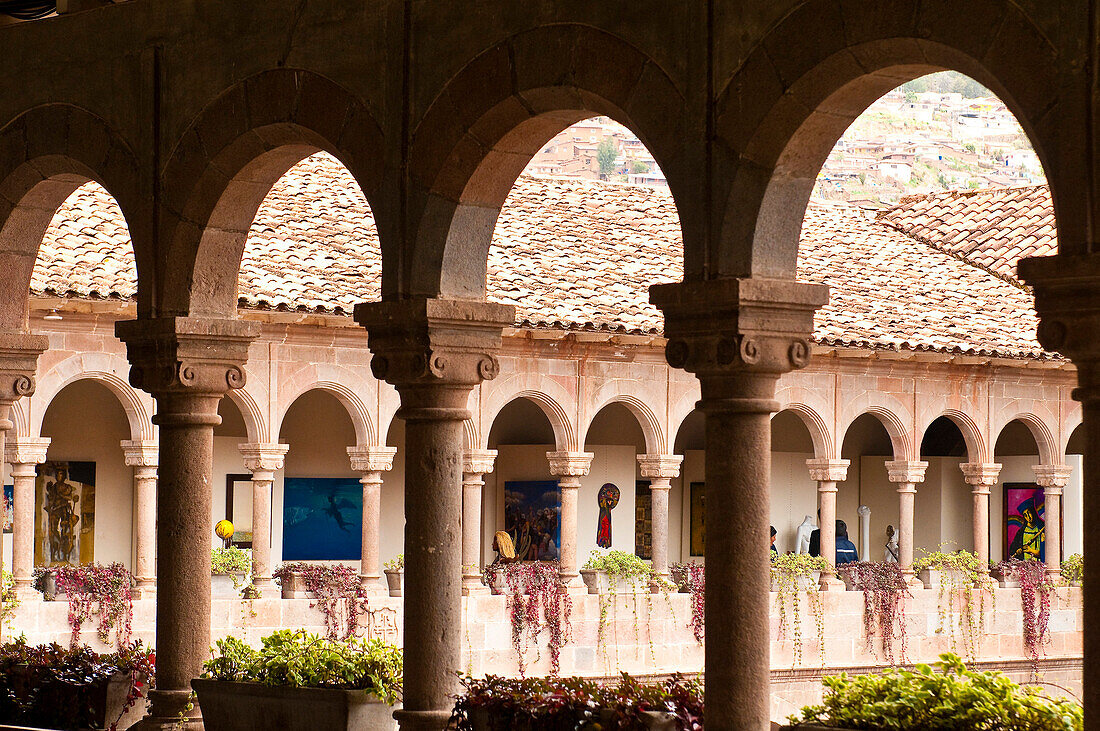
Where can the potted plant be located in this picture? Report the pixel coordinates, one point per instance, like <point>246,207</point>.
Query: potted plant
<point>944,695</point>
<point>504,704</point>
<point>44,579</point>
<point>884,594</point>
<point>680,574</point>
<point>954,570</point>
<point>1073,570</point>
<point>50,686</point>
<point>337,592</point>
<point>228,569</point>
<point>300,681</point>
<point>607,572</point>
<point>99,590</point>
<point>964,586</point>
<point>537,601</point>
<point>395,569</point>
<point>797,571</point>
<point>1036,590</point>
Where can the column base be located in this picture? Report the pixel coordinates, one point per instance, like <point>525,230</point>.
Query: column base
<point>422,720</point>
<point>171,710</point>
<point>27,593</point>
<point>832,583</point>
<point>477,589</point>
<point>145,592</point>
<point>373,586</point>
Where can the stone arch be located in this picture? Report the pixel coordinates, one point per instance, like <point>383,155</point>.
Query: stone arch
<point>779,113</point>
<point>1072,420</point>
<point>488,121</point>
<point>565,436</point>
<point>47,153</point>
<point>815,424</point>
<point>470,439</point>
<point>106,368</point>
<point>976,448</point>
<point>1049,452</point>
<point>254,423</point>
<point>20,419</point>
<point>899,437</point>
<point>618,391</point>
<point>225,164</point>
<point>357,411</point>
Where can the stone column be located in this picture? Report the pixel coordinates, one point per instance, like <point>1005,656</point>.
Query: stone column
<point>660,469</point>
<point>906,474</point>
<point>1053,478</point>
<point>476,463</point>
<point>981,477</point>
<point>142,456</point>
<point>434,351</point>
<point>828,472</point>
<point>18,361</point>
<point>738,336</point>
<point>569,468</point>
<point>187,364</point>
<point>24,454</point>
<point>263,460</point>
<point>370,463</point>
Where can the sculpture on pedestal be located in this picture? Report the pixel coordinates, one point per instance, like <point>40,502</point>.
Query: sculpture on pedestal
<point>802,535</point>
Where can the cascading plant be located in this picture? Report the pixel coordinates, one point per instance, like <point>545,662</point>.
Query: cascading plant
<point>964,588</point>
<point>884,594</point>
<point>791,574</point>
<point>537,600</point>
<point>1036,589</point>
<point>106,590</point>
<point>338,593</point>
<point>692,576</point>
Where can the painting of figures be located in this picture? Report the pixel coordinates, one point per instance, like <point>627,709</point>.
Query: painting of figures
<point>1025,522</point>
<point>322,519</point>
<point>532,517</point>
<point>64,513</point>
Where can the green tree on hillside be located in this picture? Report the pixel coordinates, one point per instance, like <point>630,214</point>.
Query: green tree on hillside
<point>605,155</point>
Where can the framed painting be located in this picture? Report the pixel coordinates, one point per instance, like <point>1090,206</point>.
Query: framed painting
<point>238,488</point>
<point>9,508</point>
<point>1024,522</point>
<point>698,527</point>
<point>65,505</point>
<point>643,520</point>
<point>322,519</point>
<point>532,517</point>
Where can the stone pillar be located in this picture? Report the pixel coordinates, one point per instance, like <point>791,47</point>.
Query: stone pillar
<point>18,361</point>
<point>24,454</point>
<point>828,472</point>
<point>981,477</point>
<point>569,468</point>
<point>142,456</point>
<point>187,364</point>
<point>660,469</point>
<point>1053,478</point>
<point>370,463</point>
<point>434,351</point>
<point>263,460</point>
<point>906,474</point>
<point>476,463</point>
<point>738,336</point>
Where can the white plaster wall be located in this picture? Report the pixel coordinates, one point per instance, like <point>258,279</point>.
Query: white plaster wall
<point>793,496</point>
<point>1072,509</point>
<point>392,527</point>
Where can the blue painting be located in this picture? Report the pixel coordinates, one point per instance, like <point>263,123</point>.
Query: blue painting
<point>532,517</point>
<point>322,519</point>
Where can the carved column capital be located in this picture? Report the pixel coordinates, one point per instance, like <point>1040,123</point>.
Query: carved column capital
<point>980,475</point>
<point>724,330</point>
<point>434,350</point>
<point>478,461</point>
<point>26,450</point>
<point>905,471</point>
<point>828,470</point>
<point>372,459</point>
<point>140,453</point>
<point>187,354</point>
<point>18,362</point>
<point>263,456</point>
<point>1052,477</point>
<point>659,466</point>
<point>570,464</point>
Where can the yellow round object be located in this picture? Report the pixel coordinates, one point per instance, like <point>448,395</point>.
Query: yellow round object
<point>224,529</point>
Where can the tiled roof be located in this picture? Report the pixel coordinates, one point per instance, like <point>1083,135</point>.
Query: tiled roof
<point>991,228</point>
<point>569,254</point>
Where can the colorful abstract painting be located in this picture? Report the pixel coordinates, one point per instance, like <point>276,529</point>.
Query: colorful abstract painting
<point>322,519</point>
<point>1025,522</point>
<point>532,517</point>
<point>9,508</point>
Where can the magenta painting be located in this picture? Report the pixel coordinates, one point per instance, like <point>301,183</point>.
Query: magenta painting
<point>1025,522</point>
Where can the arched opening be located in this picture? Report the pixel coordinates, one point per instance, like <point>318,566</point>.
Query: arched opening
<point>521,496</point>
<point>868,447</point>
<point>1017,450</point>
<point>793,493</point>
<point>97,509</point>
<point>687,499</point>
<point>1073,515</point>
<point>944,500</point>
<point>318,508</point>
<point>615,438</point>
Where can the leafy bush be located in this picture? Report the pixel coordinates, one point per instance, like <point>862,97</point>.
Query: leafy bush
<point>299,659</point>
<point>397,563</point>
<point>549,704</point>
<point>951,699</point>
<point>620,566</point>
<point>50,686</point>
<point>230,560</point>
<point>1073,569</point>
<point>9,602</point>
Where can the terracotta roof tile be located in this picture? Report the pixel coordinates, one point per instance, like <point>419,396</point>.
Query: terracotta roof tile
<point>579,254</point>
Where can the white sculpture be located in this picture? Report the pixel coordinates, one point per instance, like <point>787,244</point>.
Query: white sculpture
<point>864,531</point>
<point>890,555</point>
<point>802,535</point>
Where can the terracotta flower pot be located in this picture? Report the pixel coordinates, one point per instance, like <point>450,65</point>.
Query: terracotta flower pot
<point>394,580</point>
<point>596,581</point>
<point>294,586</point>
<point>233,706</point>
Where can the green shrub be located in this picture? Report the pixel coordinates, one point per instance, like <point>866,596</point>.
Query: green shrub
<point>619,565</point>
<point>230,560</point>
<point>1073,569</point>
<point>299,659</point>
<point>397,563</point>
<point>943,697</point>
